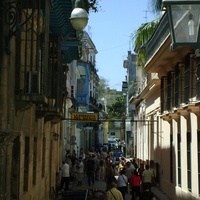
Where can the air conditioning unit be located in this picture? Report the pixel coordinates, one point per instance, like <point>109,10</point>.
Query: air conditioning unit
<point>32,82</point>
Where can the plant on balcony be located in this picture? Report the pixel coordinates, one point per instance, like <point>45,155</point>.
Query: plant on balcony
<point>133,89</point>
<point>140,39</point>
<point>144,33</point>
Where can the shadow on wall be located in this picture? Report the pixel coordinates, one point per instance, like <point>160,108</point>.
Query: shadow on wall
<point>167,186</point>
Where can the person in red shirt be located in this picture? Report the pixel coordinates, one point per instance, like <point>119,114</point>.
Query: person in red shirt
<point>135,181</point>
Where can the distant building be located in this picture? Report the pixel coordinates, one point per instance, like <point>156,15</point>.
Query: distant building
<point>128,88</point>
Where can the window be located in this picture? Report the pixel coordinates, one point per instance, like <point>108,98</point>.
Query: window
<point>179,159</point>
<point>198,79</point>
<point>72,91</point>
<point>198,156</point>
<point>189,173</point>
<point>163,93</point>
<point>43,156</point>
<point>26,163</point>
<point>171,157</point>
<point>34,160</point>
<point>15,167</point>
<point>170,90</point>
<point>177,85</point>
<point>81,85</point>
<point>187,80</point>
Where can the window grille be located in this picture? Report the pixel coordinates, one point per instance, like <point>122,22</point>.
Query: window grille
<point>177,85</point>
<point>169,95</point>
<point>187,84</point>
<point>163,93</point>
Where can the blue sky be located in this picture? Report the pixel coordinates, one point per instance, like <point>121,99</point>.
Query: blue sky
<point>110,29</point>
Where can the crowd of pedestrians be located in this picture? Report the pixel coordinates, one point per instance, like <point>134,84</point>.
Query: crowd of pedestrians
<point>125,177</point>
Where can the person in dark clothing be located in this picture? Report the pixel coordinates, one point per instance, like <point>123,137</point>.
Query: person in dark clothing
<point>90,170</point>
<point>134,164</point>
<point>140,170</point>
<point>109,176</point>
<point>146,194</point>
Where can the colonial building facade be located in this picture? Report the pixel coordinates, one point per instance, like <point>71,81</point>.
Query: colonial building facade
<point>38,49</point>
<point>170,136</point>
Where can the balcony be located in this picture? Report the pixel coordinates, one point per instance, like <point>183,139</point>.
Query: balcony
<point>138,92</point>
<point>159,36</point>
<point>158,52</point>
<point>60,25</point>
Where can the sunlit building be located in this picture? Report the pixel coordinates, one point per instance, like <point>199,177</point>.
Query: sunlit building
<point>168,135</point>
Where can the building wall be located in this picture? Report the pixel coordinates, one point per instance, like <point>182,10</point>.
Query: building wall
<point>33,163</point>
<point>29,155</point>
<point>179,124</point>
<point>178,141</point>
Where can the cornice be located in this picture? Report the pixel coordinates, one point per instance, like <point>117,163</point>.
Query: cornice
<point>166,117</point>
<point>182,112</point>
<point>151,87</point>
<point>175,116</point>
<point>194,109</point>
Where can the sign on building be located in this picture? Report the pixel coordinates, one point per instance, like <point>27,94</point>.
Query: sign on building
<point>85,116</point>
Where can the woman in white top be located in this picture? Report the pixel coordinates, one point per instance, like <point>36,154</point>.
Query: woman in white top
<point>122,182</point>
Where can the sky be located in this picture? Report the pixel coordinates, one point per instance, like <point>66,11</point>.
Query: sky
<point>110,30</point>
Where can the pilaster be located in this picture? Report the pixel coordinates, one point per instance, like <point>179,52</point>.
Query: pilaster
<point>6,141</point>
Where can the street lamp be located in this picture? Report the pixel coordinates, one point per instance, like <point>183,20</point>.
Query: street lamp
<point>79,16</point>
<point>184,21</point>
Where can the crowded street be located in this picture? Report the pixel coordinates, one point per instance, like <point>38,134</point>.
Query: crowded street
<point>88,178</point>
<point>99,100</point>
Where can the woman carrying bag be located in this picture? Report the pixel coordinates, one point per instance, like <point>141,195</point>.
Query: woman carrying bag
<point>122,182</point>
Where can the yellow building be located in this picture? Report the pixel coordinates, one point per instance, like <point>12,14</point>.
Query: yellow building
<point>37,43</point>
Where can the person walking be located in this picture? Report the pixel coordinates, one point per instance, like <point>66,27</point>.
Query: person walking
<point>121,164</point>
<point>65,170</point>
<point>129,171</point>
<point>109,175</point>
<point>147,177</point>
<point>140,170</point>
<point>135,181</point>
<point>90,170</point>
<point>96,170</point>
<point>122,182</point>
<point>101,168</point>
<point>134,164</point>
<point>114,193</point>
<point>80,171</point>
<point>146,194</point>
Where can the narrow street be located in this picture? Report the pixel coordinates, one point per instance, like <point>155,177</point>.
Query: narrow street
<point>101,185</point>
